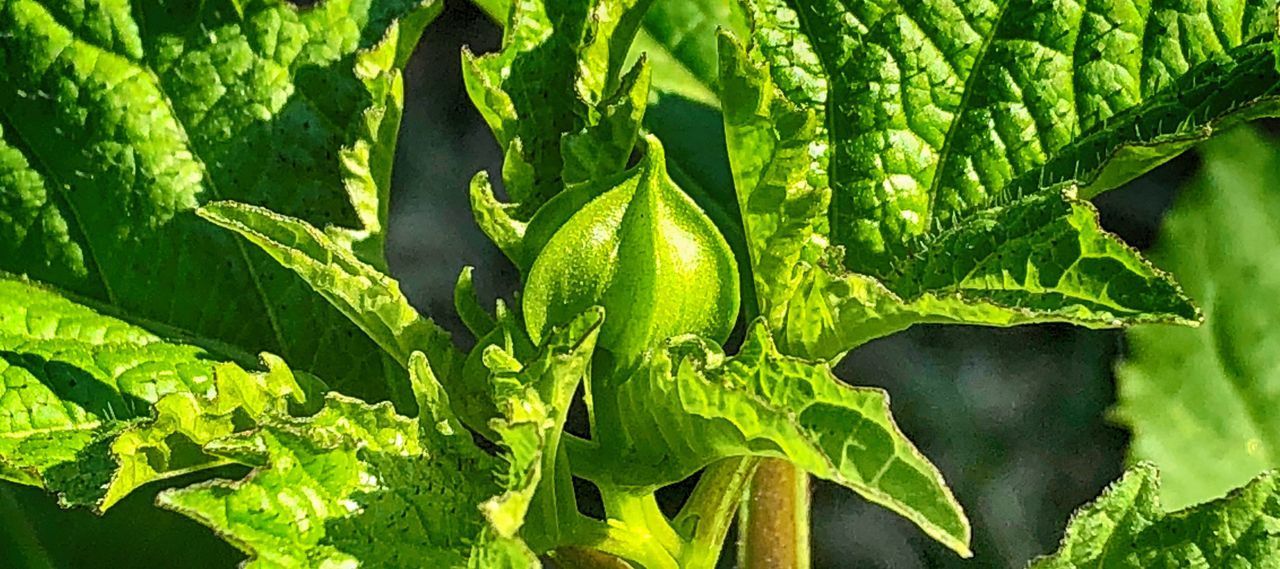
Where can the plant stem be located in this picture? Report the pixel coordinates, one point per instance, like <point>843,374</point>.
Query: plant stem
<point>705,518</point>
<point>584,558</point>
<point>774,525</point>
<point>641,512</point>
<point>592,544</point>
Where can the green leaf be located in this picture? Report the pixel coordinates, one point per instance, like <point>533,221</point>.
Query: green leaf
<point>359,484</point>
<point>1127,528</point>
<point>689,406</point>
<point>1201,403</point>
<point>118,119</point>
<point>354,484</point>
<point>94,407</point>
<point>550,378</point>
<point>678,38</point>
<point>938,122</point>
<point>558,73</point>
<point>371,299</point>
<point>1042,260</point>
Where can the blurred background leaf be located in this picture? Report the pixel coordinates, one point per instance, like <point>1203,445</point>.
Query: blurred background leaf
<point>1202,402</point>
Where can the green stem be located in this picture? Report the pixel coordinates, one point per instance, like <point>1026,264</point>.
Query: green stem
<point>631,542</point>
<point>774,525</point>
<point>641,513</point>
<point>706,516</point>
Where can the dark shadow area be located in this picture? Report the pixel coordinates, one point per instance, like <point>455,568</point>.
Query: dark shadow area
<point>134,533</point>
<point>71,383</point>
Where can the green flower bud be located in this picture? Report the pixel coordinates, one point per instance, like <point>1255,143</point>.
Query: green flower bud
<point>644,251</point>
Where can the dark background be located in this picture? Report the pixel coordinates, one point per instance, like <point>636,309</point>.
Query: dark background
<point>1015,418</point>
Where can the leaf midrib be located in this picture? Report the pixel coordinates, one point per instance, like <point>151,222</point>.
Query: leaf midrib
<point>948,142</point>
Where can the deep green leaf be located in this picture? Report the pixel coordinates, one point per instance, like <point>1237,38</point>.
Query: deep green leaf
<point>1127,528</point>
<point>983,103</point>
<point>117,119</point>
<point>371,299</point>
<point>94,407</point>
<point>1202,402</point>
<point>690,406</point>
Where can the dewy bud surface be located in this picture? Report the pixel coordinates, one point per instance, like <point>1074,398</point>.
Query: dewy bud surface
<point>645,252</point>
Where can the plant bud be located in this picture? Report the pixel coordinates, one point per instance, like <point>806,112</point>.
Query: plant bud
<point>644,251</point>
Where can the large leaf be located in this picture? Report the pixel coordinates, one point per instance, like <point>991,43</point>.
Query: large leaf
<point>117,119</point>
<point>961,139</point>
<point>689,406</point>
<point>371,299</point>
<point>358,483</point>
<point>1127,528</point>
<point>1202,402</point>
<point>94,407</point>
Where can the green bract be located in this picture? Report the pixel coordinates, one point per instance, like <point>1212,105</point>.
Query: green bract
<point>645,252</point>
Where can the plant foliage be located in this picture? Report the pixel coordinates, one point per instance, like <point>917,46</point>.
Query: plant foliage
<point>187,184</point>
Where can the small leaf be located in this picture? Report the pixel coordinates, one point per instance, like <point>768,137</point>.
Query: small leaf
<point>603,148</point>
<point>558,72</point>
<point>689,406</point>
<point>371,299</point>
<point>547,382</point>
<point>1201,403</point>
<point>468,306</point>
<point>1127,528</point>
